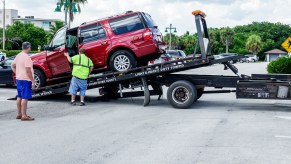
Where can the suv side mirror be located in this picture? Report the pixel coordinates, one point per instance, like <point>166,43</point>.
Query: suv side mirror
<point>47,48</point>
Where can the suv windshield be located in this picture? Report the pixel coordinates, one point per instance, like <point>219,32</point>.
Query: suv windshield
<point>149,21</point>
<point>59,38</point>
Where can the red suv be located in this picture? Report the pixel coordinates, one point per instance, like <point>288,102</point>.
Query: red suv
<point>116,43</point>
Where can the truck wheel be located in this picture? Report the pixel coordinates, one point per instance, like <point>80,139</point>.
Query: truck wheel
<point>111,92</point>
<point>122,60</point>
<point>182,94</point>
<point>39,79</point>
<point>199,93</point>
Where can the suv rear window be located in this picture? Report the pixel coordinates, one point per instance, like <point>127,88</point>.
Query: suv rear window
<point>92,33</point>
<point>126,24</point>
<point>149,21</point>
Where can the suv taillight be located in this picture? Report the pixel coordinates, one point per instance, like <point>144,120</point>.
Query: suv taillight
<point>148,35</point>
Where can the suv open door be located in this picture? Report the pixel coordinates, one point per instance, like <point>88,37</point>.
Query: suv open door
<point>57,62</point>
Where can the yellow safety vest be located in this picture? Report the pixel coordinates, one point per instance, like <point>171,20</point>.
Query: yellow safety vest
<point>81,66</point>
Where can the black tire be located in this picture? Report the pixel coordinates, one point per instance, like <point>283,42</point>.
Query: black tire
<point>199,93</point>
<point>182,94</point>
<point>39,79</point>
<point>111,92</point>
<point>124,55</point>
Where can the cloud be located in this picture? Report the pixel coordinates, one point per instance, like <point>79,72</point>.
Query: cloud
<point>220,13</point>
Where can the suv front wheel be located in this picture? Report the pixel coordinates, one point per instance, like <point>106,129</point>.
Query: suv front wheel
<point>122,60</point>
<point>39,79</point>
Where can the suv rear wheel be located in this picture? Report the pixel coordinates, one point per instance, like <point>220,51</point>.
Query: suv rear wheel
<point>122,60</point>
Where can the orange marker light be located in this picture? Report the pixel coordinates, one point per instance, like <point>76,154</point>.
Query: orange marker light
<point>199,12</point>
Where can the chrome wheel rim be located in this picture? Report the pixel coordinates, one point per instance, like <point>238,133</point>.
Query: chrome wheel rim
<point>121,63</point>
<point>36,81</point>
<point>180,95</point>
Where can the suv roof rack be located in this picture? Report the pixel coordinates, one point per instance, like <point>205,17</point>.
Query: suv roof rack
<point>127,12</point>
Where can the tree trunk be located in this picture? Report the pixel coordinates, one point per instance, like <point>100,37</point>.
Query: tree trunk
<point>226,44</point>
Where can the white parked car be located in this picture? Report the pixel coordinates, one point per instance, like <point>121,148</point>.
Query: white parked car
<point>251,58</point>
<point>2,56</point>
<point>176,54</point>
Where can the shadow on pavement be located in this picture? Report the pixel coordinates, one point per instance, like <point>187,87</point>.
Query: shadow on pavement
<point>251,106</point>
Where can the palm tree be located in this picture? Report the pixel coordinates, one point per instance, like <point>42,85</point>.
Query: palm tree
<point>254,44</point>
<point>71,5</point>
<point>11,40</point>
<point>53,29</point>
<point>227,37</point>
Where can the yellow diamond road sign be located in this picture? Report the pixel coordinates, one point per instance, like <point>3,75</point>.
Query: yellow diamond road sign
<point>287,44</point>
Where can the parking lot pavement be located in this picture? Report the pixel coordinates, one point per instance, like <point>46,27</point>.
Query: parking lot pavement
<point>217,129</point>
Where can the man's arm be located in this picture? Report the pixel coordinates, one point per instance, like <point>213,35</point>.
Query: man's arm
<point>13,67</point>
<point>68,57</point>
<point>30,76</point>
<point>91,66</point>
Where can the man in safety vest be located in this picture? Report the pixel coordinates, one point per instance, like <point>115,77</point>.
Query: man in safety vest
<point>82,67</point>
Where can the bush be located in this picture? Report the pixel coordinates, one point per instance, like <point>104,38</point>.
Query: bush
<point>281,66</point>
<point>14,52</point>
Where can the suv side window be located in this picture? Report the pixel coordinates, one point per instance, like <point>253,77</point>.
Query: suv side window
<point>92,33</point>
<point>126,24</point>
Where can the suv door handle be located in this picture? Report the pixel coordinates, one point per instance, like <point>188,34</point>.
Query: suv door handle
<point>103,43</point>
<point>135,38</point>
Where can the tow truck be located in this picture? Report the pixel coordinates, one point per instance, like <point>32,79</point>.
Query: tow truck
<point>183,89</point>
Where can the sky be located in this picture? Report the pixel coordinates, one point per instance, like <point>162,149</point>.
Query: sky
<point>220,13</point>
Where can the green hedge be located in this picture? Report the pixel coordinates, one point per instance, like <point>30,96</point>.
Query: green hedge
<point>14,52</point>
<point>280,66</point>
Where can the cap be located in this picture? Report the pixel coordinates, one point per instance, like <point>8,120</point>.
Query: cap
<point>26,45</point>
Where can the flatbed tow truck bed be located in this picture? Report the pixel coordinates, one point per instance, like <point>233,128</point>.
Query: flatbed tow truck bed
<point>183,89</point>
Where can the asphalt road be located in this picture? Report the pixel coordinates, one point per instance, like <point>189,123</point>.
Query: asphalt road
<point>218,129</point>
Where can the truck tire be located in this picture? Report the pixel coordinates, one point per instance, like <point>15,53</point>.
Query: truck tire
<point>199,93</point>
<point>122,60</point>
<point>39,79</point>
<point>182,94</point>
<point>111,92</point>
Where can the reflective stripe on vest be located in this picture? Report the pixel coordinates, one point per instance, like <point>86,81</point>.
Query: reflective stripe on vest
<point>87,66</point>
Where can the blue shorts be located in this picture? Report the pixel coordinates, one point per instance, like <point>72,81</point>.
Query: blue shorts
<point>24,90</point>
<point>78,85</point>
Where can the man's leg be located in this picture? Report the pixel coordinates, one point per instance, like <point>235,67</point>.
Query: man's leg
<point>73,91</point>
<point>18,103</point>
<point>24,107</point>
<point>26,95</point>
<point>83,88</point>
<point>73,98</point>
<point>82,98</point>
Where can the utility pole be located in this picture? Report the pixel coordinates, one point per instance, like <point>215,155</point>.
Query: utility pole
<point>171,28</point>
<point>4,39</point>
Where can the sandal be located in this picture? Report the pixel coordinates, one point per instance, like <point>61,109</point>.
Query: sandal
<point>18,117</point>
<point>27,118</point>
